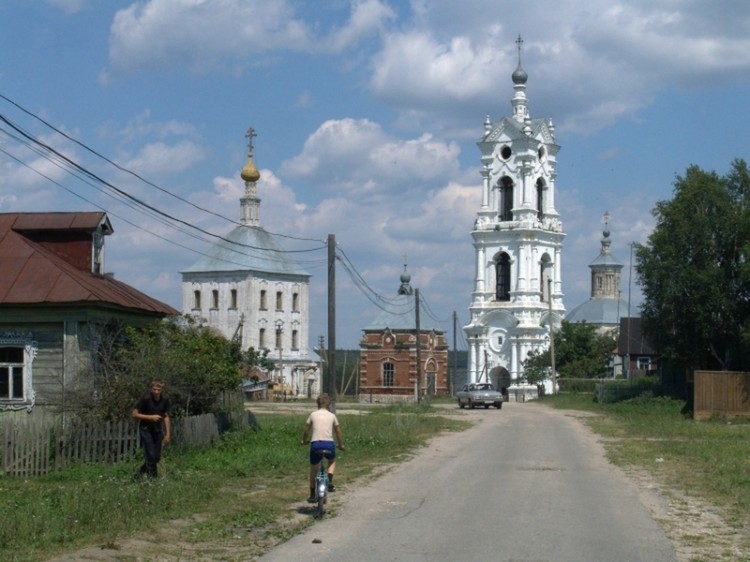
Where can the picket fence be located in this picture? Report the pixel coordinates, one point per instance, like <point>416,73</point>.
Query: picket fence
<point>33,448</point>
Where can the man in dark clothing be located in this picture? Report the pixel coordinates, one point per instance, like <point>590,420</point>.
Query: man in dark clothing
<point>154,426</point>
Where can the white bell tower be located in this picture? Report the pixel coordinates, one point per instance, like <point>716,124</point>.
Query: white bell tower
<point>518,240</point>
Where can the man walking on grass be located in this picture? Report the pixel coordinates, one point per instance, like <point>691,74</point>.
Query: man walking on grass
<point>154,427</point>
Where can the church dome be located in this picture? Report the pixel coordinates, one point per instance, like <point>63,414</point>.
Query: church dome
<point>250,172</point>
<point>520,76</point>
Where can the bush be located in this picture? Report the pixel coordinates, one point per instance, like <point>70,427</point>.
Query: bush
<point>619,390</point>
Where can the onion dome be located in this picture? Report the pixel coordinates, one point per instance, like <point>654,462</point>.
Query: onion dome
<point>250,173</point>
<point>519,75</point>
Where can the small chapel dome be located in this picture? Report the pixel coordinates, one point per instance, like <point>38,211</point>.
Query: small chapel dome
<point>250,172</point>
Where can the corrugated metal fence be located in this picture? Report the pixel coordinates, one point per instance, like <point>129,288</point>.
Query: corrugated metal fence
<point>32,448</point>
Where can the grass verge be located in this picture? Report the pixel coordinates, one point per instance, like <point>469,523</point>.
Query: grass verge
<point>243,485</point>
<point>706,459</point>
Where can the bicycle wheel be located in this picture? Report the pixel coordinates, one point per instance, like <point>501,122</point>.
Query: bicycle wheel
<point>321,505</point>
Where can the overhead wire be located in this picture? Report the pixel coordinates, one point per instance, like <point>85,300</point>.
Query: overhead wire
<point>83,174</point>
<point>131,172</point>
<point>86,176</point>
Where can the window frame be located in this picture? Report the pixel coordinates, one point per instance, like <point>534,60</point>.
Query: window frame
<point>388,372</point>
<point>28,349</point>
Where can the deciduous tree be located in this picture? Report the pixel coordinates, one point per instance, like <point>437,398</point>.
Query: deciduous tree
<point>694,271</point>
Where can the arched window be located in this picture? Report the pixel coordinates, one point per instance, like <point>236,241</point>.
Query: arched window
<point>502,277</point>
<point>540,198</point>
<point>545,274</point>
<point>506,199</point>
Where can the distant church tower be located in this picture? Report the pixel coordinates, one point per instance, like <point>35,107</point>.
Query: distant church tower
<point>247,287</point>
<point>605,307</point>
<point>518,238</point>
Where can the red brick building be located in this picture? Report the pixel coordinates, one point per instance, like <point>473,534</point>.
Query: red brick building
<point>388,352</point>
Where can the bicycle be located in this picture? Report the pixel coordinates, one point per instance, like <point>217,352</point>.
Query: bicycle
<point>321,484</point>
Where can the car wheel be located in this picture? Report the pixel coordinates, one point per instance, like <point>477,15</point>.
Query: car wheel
<point>471,405</point>
<point>460,404</point>
<point>499,405</point>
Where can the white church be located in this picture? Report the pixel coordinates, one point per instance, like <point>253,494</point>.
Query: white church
<point>248,288</point>
<point>517,299</point>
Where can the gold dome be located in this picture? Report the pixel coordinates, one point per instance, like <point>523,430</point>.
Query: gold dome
<point>250,172</point>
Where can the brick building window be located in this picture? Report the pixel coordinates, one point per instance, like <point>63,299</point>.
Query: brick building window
<point>388,374</point>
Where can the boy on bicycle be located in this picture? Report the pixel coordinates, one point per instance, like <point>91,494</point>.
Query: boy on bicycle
<point>322,423</point>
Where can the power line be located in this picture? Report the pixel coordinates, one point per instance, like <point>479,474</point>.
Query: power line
<point>123,169</point>
<point>57,158</point>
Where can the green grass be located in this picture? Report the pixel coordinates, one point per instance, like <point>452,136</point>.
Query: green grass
<point>707,459</point>
<point>245,482</point>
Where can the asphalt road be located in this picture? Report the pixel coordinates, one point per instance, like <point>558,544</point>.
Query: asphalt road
<point>525,484</point>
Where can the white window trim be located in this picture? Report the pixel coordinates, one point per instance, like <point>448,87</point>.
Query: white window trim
<point>30,349</point>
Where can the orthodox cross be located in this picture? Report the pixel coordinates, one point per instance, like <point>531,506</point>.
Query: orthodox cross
<point>249,136</point>
<point>519,42</point>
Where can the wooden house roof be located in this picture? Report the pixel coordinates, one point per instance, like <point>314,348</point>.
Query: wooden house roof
<point>33,274</point>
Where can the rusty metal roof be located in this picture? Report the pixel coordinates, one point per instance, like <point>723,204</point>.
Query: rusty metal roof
<point>87,221</point>
<point>32,275</point>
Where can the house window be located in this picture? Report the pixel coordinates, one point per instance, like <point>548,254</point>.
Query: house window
<point>278,339</point>
<point>506,199</point>
<point>295,339</point>
<point>262,338</point>
<point>214,299</point>
<point>279,300</point>
<point>387,374</point>
<point>16,357</point>
<point>197,299</point>
<point>643,363</point>
<point>263,299</point>
<point>502,275</point>
<point>11,373</point>
<point>295,302</point>
<point>233,298</point>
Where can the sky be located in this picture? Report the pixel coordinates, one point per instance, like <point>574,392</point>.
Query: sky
<point>367,115</point>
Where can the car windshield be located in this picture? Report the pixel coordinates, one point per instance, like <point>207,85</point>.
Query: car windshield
<point>485,387</point>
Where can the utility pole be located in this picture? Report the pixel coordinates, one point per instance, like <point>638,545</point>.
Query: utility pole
<point>419,347</point>
<point>332,320</point>
<point>321,388</point>
<point>551,336</point>
<point>452,379</point>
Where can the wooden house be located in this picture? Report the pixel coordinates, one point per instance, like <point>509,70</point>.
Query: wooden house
<point>54,294</point>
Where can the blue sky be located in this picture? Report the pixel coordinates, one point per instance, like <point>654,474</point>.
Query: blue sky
<point>367,115</point>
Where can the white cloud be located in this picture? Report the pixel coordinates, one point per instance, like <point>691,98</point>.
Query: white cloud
<point>229,35</point>
<point>367,17</point>
<point>160,159</point>
<point>356,158</point>
<point>199,34</point>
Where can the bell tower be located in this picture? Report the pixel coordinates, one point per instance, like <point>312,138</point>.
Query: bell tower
<point>518,237</point>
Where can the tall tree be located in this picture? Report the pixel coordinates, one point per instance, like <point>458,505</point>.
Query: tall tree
<point>694,272</point>
<point>580,352</point>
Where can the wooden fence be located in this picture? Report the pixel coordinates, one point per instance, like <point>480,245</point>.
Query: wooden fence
<point>721,393</point>
<point>32,448</point>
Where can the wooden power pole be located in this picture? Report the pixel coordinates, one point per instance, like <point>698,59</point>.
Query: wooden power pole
<point>332,320</point>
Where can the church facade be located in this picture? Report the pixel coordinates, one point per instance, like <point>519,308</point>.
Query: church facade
<point>390,366</point>
<point>249,289</point>
<point>517,299</point>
